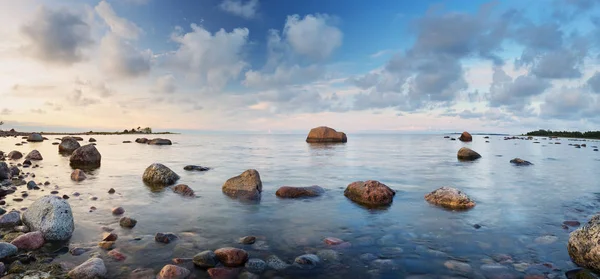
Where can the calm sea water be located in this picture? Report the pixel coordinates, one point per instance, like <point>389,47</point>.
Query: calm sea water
<point>520,209</point>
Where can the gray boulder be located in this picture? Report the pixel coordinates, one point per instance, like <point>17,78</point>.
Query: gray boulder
<point>160,175</point>
<point>35,138</point>
<point>245,186</point>
<point>584,244</point>
<point>52,216</point>
<point>86,156</point>
<point>5,172</point>
<point>7,250</point>
<point>10,220</point>
<point>68,145</point>
<point>159,141</point>
<point>34,155</point>
<point>15,155</point>
<point>90,269</point>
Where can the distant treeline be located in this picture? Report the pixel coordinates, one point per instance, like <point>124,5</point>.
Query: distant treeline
<point>565,134</point>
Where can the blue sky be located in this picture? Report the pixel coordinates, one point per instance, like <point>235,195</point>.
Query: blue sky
<point>257,65</point>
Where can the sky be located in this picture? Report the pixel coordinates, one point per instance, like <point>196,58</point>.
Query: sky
<point>284,66</point>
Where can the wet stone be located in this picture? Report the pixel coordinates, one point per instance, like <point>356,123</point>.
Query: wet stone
<point>390,252</point>
<point>165,237</point>
<point>248,240</point>
<point>329,255</point>
<point>276,263</point>
<point>205,259</point>
<point>367,257</point>
<point>257,266</point>
<point>307,261</point>
<point>460,267</point>
<point>127,222</point>
<point>383,264</point>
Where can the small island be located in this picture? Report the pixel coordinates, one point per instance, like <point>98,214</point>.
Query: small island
<point>133,131</point>
<point>565,134</point>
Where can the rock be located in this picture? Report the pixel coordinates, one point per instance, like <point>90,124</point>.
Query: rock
<point>26,163</point>
<point>195,168</point>
<point>109,236</point>
<point>29,241</point>
<point>245,186</point>
<point>90,269</point>
<point>546,239</point>
<point>276,263</point>
<point>160,175</point>
<point>367,257</point>
<point>391,252</point>
<point>14,171</point>
<point>5,172</point>
<point>232,257</point>
<point>248,275</point>
<point>466,154</point>
<point>383,264</point>
<point>223,273</point>
<point>520,162</point>
<point>78,175</point>
<point>450,198</point>
<point>460,267</point>
<point>68,145</point>
<point>92,140</point>
<point>299,192</point>
<point>572,223</point>
<point>247,240</point>
<point>141,140</point>
<point>446,137</point>
<point>325,135</point>
<point>78,251</point>
<point>159,141</point>
<point>118,211</point>
<point>205,259</point>
<point>142,273</point>
<point>584,244</point>
<point>86,156</point>
<point>35,137</point>
<point>7,250</point>
<point>165,237</point>
<point>579,274</point>
<point>78,138</point>
<point>127,222</point>
<point>184,190</point>
<point>333,241</point>
<point>126,141</point>
<point>111,191</point>
<point>370,192</point>
<point>116,255</point>
<point>15,155</point>
<point>329,255</point>
<point>52,216</point>
<point>466,137</point>
<point>34,155</point>
<point>106,245</point>
<point>173,272</point>
<point>307,261</point>
<point>257,266</point>
<point>10,220</point>
<point>32,186</point>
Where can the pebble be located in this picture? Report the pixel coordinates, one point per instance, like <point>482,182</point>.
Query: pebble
<point>29,241</point>
<point>276,263</point>
<point>7,249</point>
<point>111,191</point>
<point>93,198</point>
<point>76,194</point>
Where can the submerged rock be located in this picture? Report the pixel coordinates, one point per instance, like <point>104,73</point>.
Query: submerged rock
<point>466,154</point>
<point>205,259</point>
<point>35,137</point>
<point>142,273</point>
<point>256,266</point>
<point>370,192</point>
<point>247,240</point>
<point>223,273</point>
<point>15,155</point>
<point>450,198</point>
<point>276,263</point>
<point>245,186</point>
<point>299,192</point>
<point>195,168</point>
<point>460,267</point>
<point>52,216</point>
<point>127,222</point>
<point>325,135</point>
<point>466,137</point>
<point>183,190</point>
<point>232,257</point>
<point>159,175</point>
<point>307,261</point>
<point>34,155</point>
<point>520,162</point>
<point>29,241</point>
<point>68,145</point>
<point>92,268</point>
<point>584,245</point>
<point>87,156</point>
<point>165,237</point>
<point>78,175</point>
<point>173,272</point>
<point>159,141</point>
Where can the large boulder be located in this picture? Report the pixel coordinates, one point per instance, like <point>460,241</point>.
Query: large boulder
<point>370,193</point>
<point>245,186</point>
<point>325,134</point>
<point>466,137</point>
<point>466,154</point>
<point>34,155</point>
<point>86,156</point>
<point>299,192</point>
<point>450,198</point>
<point>160,175</point>
<point>52,216</point>
<point>159,141</point>
<point>90,269</point>
<point>584,245</point>
<point>35,138</point>
<point>68,145</point>
<point>5,172</point>
<point>15,155</point>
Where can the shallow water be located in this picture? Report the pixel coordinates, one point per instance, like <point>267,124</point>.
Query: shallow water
<point>515,205</point>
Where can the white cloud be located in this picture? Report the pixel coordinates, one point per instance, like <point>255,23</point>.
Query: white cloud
<point>239,8</point>
<point>214,59</point>
<point>118,25</point>
<point>166,84</point>
<point>313,36</point>
<point>283,75</point>
<point>5,111</point>
<point>120,59</point>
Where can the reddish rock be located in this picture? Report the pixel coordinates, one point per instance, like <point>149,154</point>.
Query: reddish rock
<point>223,273</point>
<point>333,241</point>
<point>118,211</point>
<point>29,241</point>
<point>116,255</point>
<point>232,257</point>
<point>450,198</point>
<point>466,154</point>
<point>246,186</point>
<point>173,272</point>
<point>109,236</point>
<point>370,192</point>
<point>183,190</point>
<point>299,192</point>
<point>466,137</point>
<point>78,175</point>
<point>325,135</point>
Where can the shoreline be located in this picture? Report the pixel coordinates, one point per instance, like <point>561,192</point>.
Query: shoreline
<point>16,133</point>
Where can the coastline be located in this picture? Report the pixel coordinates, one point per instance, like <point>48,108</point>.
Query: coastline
<point>16,133</point>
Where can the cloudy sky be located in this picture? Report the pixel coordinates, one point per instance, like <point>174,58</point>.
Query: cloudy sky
<point>259,65</point>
